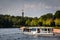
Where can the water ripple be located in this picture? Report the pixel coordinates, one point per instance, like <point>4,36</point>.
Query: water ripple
<point>16,35</point>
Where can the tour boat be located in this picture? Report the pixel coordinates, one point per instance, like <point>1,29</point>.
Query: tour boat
<point>42,31</point>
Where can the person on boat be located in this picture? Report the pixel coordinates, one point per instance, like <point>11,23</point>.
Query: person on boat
<point>38,30</point>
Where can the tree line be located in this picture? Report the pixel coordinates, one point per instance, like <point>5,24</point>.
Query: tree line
<point>50,20</point>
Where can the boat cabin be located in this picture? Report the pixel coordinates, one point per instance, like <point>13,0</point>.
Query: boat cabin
<point>39,29</point>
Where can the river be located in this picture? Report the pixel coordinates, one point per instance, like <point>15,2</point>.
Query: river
<point>15,34</point>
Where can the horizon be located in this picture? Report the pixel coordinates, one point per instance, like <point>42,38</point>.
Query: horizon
<point>32,8</point>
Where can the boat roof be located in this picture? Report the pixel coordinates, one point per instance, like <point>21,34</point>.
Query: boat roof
<point>38,27</point>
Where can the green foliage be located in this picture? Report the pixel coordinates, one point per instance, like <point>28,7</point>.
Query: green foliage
<point>27,22</point>
<point>34,22</point>
<point>47,16</point>
<point>7,21</point>
<point>57,14</point>
<point>57,22</point>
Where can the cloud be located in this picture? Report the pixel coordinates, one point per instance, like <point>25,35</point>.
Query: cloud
<point>37,6</point>
<point>31,7</point>
<point>40,6</point>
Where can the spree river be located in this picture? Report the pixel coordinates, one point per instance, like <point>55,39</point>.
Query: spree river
<point>15,34</point>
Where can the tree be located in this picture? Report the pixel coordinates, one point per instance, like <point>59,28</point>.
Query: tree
<point>40,21</point>
<point>48,22</point>
<point>46,19</point>
<point>34,22</point>
<point>57,14</point>
<point>49,15</point>
<point>27,22</point>
<point>57,22</point>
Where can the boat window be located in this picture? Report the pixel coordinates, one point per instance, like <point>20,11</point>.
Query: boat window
<point>50,30</point>
<point>26,30</point>
<point>33,29</point>
<point>44,29</point>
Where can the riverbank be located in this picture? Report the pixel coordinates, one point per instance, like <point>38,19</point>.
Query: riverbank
<point>56,31</point>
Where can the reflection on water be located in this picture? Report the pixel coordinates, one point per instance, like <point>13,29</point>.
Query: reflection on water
<point>15,34</point>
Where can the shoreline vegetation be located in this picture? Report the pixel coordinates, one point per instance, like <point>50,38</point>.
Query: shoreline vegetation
<point>46,20</point>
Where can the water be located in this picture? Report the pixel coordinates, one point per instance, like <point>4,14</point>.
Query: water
<point>15,34</point>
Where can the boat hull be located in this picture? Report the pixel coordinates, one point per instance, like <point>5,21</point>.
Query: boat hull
<point>39,34</point>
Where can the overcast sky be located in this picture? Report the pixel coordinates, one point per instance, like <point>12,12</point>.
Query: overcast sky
<point>32,8</point>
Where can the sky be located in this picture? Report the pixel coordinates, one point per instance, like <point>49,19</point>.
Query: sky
<point>32,8</point>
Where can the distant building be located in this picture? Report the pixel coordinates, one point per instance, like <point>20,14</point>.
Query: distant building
<point>22,13</point>
<point>22,18</point>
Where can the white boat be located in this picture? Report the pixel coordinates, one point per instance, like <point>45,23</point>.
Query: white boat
<point>42,31</point>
